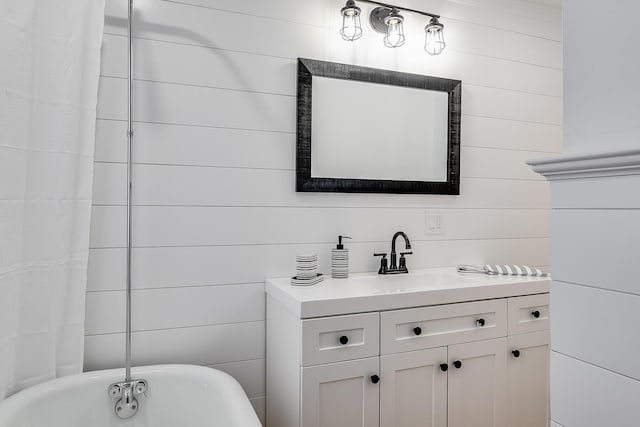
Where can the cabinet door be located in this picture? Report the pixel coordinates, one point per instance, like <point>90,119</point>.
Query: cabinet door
<point>528,380</point>
<point>413,389</point>
<point>478,384</point>
<point>341,394</point>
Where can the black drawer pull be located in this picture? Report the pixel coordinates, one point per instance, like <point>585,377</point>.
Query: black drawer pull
<point>344,339</point>
<point>535,314</point>
<point>480,322</point>
<point>444,367</point>
<point>375,379</point>
<point>516,353</point>
<point>457,364</point>
<point>417,330</point>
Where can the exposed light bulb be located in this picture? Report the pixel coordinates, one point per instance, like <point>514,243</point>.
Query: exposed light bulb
<point>351,29</point>
<point>434,37</point>
<point>395,31</point>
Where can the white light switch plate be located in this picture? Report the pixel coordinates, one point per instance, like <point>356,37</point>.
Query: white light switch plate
<point>434,222</point>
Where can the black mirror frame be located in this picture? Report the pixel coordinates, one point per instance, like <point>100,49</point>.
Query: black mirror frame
<point>306,183</point>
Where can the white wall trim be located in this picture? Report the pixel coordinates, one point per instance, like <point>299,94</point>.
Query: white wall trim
<point>625,162</point>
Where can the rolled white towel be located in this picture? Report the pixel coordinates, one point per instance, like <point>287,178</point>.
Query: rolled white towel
<point>503,269</point>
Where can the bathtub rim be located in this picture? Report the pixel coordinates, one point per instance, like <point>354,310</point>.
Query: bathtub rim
<point>11,406</point>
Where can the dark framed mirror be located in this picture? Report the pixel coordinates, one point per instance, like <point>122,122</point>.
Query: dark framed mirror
<point>366,130</point>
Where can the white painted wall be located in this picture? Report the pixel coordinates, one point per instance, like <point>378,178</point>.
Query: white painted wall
<point>215,207</point>
<point>595,296</point>
<point>602,86</point>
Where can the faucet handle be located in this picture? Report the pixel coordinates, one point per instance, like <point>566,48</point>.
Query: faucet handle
<point>403,261</point>
<point>383,262</point>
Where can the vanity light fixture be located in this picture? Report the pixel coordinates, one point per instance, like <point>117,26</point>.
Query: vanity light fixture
<point>395,32</point>
<point>434,39</point>
<point>387,20</point>
<point>351,29</point>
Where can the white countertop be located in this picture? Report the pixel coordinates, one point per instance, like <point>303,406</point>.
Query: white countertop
<point>372,292</point>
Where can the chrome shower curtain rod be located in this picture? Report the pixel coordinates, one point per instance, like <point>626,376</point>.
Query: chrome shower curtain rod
<point>129,190</point>
<point>125,394</point>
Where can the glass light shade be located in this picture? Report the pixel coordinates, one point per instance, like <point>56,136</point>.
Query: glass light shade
<point>351,29</point>
<point>434,37</point>
<point>395,31</point>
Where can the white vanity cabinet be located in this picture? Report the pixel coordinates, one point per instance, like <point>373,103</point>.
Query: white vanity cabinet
<point>478,384</point>
<point>528,380</point>
<point>340,394</point>
<point>413,389</point>
<point>455,363</point>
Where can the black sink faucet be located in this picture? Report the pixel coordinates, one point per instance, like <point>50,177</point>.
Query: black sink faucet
<point>393,265</point>
<point>394,268</point>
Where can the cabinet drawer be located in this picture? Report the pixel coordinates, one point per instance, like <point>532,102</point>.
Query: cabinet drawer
<point>528,314</point>
<point>333,339</point>
<point>418,328</point>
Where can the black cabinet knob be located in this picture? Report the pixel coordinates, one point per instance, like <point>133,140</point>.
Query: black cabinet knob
<point>344,339</point>
<point>417,330</point>
<point>535,314</point>
<point>444,367</point>
<point>516,353</point>
<point>480,322</point>
<point>457,364</point>
<point>375,379</point>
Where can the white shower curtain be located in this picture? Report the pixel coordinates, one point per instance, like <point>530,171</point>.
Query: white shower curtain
<point>49,68</point>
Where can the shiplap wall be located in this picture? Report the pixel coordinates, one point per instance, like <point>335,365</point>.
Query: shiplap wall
<point>595,232</point>
<point>215,210</point>
<point>595,301</point>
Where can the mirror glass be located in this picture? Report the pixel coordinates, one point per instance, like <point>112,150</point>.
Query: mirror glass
<point>403,137</point>
<point>365,130</point>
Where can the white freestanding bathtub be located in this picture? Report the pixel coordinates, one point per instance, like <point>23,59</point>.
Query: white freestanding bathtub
<point>177,396</point>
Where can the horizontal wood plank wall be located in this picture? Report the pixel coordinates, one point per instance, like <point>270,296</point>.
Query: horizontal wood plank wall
<point>585,395</point>
<point>215,207</point>
<point>595,301</point>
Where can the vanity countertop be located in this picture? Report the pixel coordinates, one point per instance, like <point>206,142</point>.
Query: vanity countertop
<point>366,292</point>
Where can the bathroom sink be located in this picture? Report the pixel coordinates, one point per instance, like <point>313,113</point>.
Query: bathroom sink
<point>362,293</point>
<point>413,281</point>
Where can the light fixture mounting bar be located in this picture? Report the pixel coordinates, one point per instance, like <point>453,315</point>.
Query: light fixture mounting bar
<point>390,6</point>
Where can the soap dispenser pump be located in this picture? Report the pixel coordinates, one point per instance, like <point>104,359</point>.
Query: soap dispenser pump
<point>340,260</point>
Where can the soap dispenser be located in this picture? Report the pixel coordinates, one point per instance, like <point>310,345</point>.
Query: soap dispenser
<point>340,260</point>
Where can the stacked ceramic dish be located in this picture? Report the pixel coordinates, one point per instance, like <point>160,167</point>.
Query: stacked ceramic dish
<point>339,263</point>
<point>306,271</point>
